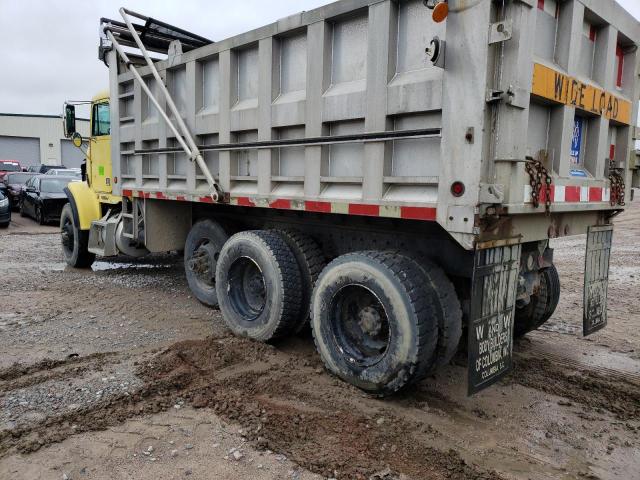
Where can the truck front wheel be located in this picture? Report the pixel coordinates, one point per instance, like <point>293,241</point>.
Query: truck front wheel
<point>374,321</point>
<point>75,242</point>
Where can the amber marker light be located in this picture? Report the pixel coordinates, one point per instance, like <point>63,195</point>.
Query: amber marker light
<point>440,12</point>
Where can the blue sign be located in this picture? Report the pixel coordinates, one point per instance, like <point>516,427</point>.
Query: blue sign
<point>578,173</point>
<point>576,140</point>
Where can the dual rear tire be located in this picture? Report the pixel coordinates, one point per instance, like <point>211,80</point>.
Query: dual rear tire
<point>261,280</point>
<point>541,306</point>
<point>259,285</point>
<point>380,320</point>
<point>201,253</point>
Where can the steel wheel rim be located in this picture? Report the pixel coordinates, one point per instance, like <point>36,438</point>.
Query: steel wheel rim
<point>202,263</point>
<point>247,289</point>
<point>360,325</point>
<point>68,236</point>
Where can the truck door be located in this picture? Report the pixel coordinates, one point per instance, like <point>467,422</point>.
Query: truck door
<point>99,168</point>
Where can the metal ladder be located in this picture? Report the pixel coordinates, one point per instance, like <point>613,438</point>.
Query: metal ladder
<point>161,37</point>
<point>128,222</point>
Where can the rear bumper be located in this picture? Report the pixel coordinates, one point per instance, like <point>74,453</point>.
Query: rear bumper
<point>5,216</point>
<point>14,198</point>
<point>53,209</point>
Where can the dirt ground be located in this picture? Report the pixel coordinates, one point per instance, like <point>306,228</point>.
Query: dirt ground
<point>118,373</point>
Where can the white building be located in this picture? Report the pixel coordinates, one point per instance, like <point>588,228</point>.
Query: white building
<point>38,139</point>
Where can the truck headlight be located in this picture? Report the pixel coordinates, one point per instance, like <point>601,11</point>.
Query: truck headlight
<point>4,202</point>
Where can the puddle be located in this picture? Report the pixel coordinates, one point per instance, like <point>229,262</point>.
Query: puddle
<point>106,266</point>
<point>624,273</point>
<point>561,327</point>
<point>56,267</point>
<point>42,267</point>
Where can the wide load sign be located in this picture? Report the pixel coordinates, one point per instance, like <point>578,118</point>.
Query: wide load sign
<point>560,88</point>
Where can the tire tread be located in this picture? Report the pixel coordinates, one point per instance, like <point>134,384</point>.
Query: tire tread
<point>409,275</point>
<point>82,258</point>
<point>311,262</point>
<point>288,273</point>
<point>450,313</point>
<point>215,233</point>
<point>542,306</point>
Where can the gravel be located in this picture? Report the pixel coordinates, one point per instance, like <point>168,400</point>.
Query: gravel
<point>24,405</point>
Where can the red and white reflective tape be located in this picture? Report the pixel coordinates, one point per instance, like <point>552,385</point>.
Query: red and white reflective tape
<point>424,213</point>
<point>571,194</point>
<point>549,6</point>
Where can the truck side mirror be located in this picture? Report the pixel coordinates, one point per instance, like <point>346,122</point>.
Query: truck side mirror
<point>69,120</point>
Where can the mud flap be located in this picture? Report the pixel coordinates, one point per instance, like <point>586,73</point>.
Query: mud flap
<point>596,278</point>
<point>493,301</point>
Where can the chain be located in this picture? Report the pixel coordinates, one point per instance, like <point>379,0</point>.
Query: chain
<point>537,175</point>
<point>618,186</point>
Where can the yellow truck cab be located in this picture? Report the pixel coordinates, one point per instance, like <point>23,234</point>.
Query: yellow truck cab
<point>93,198</point>
<point>99,154</point>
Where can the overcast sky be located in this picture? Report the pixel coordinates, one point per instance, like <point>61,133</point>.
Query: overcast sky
<point>49,47</point>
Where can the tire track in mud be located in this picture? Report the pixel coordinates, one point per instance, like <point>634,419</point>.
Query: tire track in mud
<point>264,391</point>
<point>256,386</point>
<point>595,391</point>
<point>576,365</point>
<point>22,376</point>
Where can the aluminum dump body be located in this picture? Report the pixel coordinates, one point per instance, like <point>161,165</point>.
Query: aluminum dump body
<point>520,80</point>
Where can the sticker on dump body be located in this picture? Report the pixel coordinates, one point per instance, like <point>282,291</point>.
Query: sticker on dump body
<point>493,301</point>
<point>576,140</point>
<point>596,278</point>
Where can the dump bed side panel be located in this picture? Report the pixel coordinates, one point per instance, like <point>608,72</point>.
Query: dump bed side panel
<point>346,69</point>
<point>554,81</point>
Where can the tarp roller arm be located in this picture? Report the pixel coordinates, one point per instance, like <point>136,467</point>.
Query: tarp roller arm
<point>181,131</point>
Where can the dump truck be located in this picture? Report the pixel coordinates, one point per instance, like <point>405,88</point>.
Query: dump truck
<point>390,172</point>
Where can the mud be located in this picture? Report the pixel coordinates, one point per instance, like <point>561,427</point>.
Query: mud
<point>319,431</point>
<point>591,390</point>
<point>26,374</point>
<point>97,366</point>
<point>251,384</point>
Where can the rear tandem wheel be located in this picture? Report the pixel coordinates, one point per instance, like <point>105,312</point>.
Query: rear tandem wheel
<point>541,307</point>
<point>202,249</point>
<point>258,284</point>
<point>375,320</point>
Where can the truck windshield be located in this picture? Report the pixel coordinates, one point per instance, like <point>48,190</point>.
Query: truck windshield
<point>55,185</point>
<point>17,178</point>
<point>101,120</point>
<point>9,167</point>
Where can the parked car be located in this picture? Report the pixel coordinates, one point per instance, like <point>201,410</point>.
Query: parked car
<point>5,211</point>
<point>14,183</point>
<point>7,166</point>
<point>43,198</point>
<point>66,172</point>
<point>45,168</point>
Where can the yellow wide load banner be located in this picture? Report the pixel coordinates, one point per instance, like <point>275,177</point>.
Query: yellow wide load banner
<point>558,87</point>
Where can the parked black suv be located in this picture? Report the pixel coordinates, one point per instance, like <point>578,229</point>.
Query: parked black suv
<point>5,211</point>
